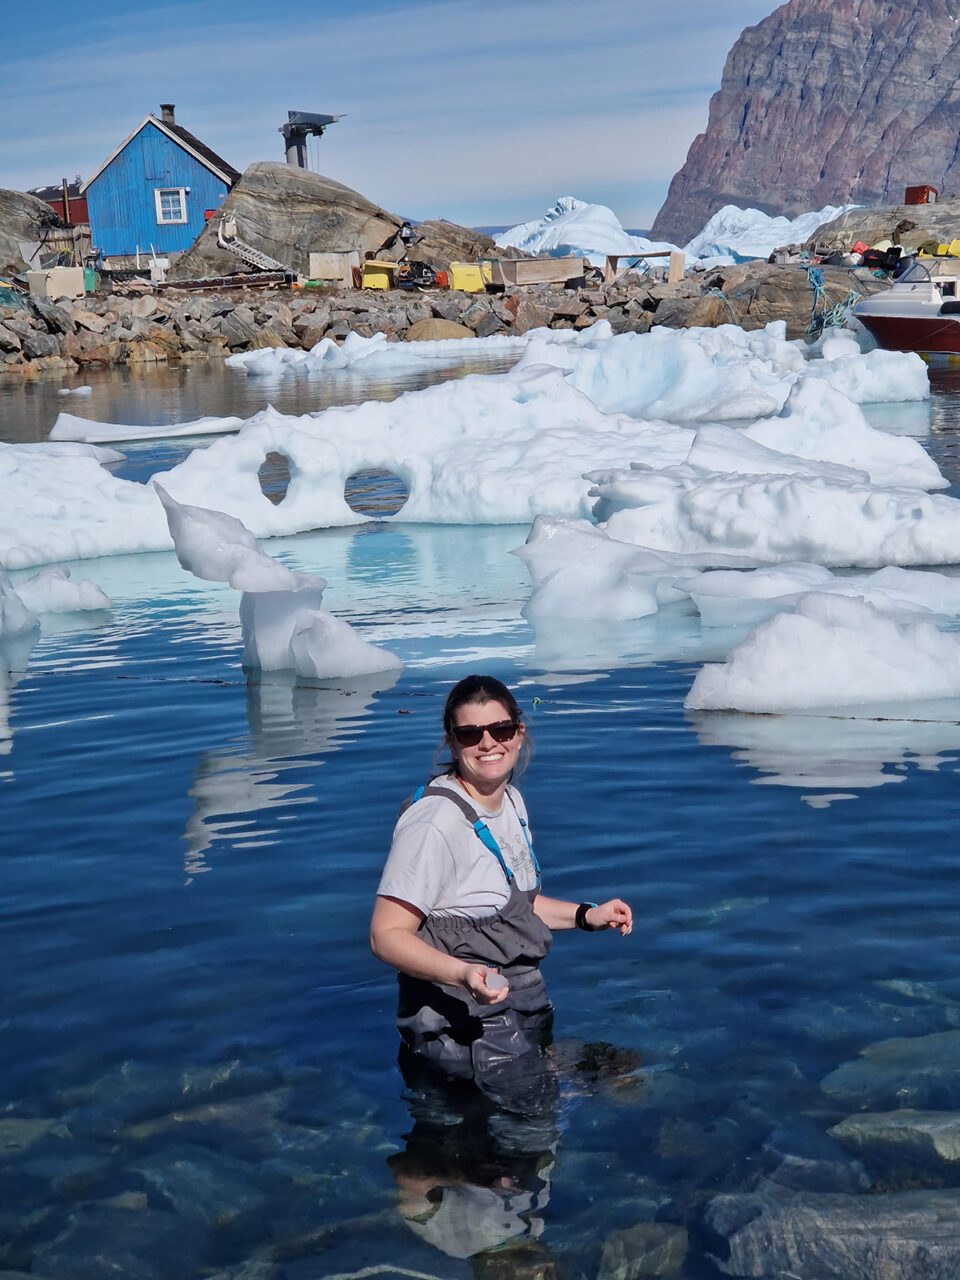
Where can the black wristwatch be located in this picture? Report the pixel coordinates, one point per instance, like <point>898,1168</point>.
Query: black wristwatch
<point>580,919</point>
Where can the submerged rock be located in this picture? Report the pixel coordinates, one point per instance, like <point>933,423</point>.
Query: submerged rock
<point>913,1138</point>
<point>650,1249</point>
<point>919,1071</point>
<point>17,1133</point>
<point>100,1243</point>
<point>911,1235</point>
<point>203,1186</point>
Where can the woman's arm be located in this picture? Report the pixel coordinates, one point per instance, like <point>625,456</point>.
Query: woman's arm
<point>393,938</point>
<point>558,914</point>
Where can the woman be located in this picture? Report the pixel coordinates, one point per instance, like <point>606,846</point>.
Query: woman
<point>459,912</point>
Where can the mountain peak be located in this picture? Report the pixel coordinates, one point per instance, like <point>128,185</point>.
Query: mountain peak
<point>827,102</point>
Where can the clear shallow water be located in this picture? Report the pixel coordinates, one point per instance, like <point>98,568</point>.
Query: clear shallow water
<point>198,1064</point>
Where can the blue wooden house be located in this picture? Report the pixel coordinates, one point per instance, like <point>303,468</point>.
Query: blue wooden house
<point>157,189</point>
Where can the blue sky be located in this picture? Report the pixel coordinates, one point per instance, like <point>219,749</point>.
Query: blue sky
<point>480,111</point>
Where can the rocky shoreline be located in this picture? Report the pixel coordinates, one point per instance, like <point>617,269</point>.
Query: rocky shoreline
<point>138,325</point>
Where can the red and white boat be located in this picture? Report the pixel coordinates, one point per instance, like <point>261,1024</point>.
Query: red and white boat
<point>919,312</point>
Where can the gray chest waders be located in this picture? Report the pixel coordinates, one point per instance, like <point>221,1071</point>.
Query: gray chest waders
<point>444,1024</point>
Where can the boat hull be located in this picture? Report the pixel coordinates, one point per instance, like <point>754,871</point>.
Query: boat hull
<point>926,335</point>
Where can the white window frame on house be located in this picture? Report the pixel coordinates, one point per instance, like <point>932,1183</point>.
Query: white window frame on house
<point>181,194</point>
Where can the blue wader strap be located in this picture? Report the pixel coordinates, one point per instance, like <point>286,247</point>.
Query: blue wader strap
<point>480,828</point>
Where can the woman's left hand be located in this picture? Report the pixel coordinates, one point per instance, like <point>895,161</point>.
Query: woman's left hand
<point>615,914</point>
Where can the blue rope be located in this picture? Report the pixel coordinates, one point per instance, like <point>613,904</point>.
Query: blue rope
<point>831,316</point>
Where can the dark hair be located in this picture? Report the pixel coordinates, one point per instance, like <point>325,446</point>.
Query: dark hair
<point>482,689</point>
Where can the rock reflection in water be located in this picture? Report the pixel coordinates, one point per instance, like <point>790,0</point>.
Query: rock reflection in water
<point>290,726</point>
<point>824,753</point>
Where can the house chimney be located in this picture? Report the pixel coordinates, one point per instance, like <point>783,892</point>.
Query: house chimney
<point>166,113</point>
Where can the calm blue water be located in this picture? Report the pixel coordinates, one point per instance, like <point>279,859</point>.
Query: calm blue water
<point>198,1067</point>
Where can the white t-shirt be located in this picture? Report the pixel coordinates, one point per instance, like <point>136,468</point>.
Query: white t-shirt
<point>439,865</point>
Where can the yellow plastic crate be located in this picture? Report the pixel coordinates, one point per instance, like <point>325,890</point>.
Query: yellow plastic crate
<point>466,276</point>
<point>378,274</point>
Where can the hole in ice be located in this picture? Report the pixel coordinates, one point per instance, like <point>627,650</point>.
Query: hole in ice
<point>375,493</point>
<point>274,477</point>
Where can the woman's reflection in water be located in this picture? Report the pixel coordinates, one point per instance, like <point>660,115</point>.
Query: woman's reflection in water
<point>475,1170</point>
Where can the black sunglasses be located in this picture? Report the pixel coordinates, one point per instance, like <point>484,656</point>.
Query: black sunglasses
<point>471,735</point>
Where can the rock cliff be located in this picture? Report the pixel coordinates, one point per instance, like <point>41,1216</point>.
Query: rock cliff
<point>827,102</point>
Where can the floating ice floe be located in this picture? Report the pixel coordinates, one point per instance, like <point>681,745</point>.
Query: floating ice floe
<point>52,590</point>
<point>69,427</point>
<point>579,573</point>
<point>282,623</point>
<point>832,652</point>
<point>722,374</point>
<point>376,355</point>
<point>504,448</point>
<point>820,424</point>
<point>49,591</point>
<point>734,599</point>
<point>777,518</point>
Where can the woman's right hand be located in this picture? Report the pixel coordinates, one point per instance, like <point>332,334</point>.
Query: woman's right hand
<point>475,980</point>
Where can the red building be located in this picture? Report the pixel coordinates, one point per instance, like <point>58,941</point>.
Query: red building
<point>76,211</point>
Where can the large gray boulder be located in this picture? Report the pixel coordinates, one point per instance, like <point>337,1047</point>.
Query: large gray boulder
<point>909,225</point>
<point>23,219</point>
<point>288,213</point>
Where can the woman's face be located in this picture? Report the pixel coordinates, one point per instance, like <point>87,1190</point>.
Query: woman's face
<point>489,764</point>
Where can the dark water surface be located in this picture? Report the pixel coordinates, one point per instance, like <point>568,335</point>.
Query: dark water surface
<point>198,1071</point>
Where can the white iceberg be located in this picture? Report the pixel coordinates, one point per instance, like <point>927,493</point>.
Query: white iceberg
<point>579,228</point>
<point>742,234</point>
<point>282,623</point>
<point>575,228</point>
